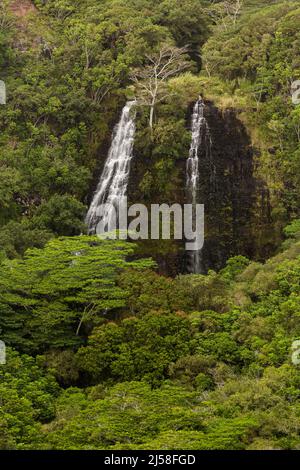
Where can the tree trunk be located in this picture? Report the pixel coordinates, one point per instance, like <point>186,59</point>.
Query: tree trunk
<point>151,116</point>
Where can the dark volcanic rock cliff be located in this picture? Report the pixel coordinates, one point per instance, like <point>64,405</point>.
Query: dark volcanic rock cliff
<point>237,207</point>
<point>236,202</point>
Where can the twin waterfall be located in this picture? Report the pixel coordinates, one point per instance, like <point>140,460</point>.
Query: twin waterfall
<point>114,179</point>
<point>201,141</point>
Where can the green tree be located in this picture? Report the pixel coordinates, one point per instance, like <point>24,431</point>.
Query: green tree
<point>48,296</point>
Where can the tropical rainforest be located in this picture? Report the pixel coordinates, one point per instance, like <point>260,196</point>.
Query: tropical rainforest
<point>111,344</point>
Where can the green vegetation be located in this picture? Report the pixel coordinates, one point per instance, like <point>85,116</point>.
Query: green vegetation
<point>197,362</point>
<point>254,64</point>
<point>103,352</point>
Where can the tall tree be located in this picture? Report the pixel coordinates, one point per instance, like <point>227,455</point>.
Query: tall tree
<point>151,80</point>
<point>47,297</point>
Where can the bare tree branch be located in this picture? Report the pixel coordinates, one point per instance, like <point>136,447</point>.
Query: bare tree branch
<point>150,81</point>
<point>225,13</point>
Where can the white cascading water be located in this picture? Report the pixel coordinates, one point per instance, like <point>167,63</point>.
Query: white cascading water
<point>114,179</point>
<point>200,139</point>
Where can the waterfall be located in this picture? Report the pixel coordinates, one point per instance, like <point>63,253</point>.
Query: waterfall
<point>114,179</point>
<point>201,142</point>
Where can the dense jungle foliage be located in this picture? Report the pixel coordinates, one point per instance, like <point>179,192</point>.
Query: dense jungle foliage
<point>103,351</point>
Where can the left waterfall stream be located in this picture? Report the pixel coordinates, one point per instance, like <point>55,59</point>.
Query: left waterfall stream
<point>114,178</point>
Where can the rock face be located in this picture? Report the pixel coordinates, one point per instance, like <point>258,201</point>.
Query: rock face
<point>236,203</point>
<point>237,206</point>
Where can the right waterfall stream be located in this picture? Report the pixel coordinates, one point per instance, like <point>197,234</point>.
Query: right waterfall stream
<point>201,143</point>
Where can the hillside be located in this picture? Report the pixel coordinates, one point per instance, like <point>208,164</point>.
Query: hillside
<point>114,345</point>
